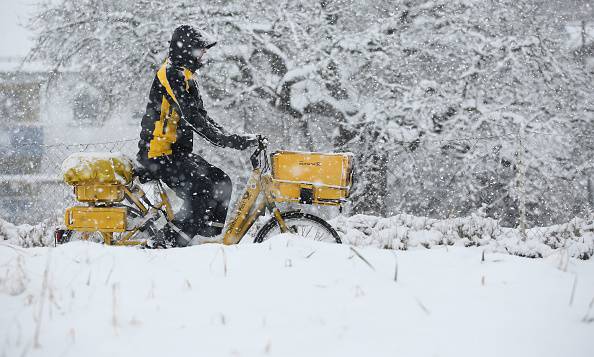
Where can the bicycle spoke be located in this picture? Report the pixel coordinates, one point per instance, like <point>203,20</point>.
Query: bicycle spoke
<point>311,231</point>
<point>318,235</point>
<point>303,234</point>
<point>306,228</point>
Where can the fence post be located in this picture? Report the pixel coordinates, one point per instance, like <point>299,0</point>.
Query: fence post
<point>521,182</point>
<point>591,192</point>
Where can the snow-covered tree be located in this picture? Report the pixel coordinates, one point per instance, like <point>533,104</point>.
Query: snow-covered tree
<point>492,73</point>
<point>451,106</point>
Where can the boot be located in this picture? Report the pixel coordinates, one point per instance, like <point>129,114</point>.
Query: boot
<point>163,239</point>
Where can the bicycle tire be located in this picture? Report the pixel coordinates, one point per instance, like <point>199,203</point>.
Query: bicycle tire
<point>293,217</point>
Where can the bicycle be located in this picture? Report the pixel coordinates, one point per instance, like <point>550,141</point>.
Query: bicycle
<point>285,176</point>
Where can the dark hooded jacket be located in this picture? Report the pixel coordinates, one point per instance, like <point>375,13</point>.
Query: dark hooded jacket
<point>175,108</point>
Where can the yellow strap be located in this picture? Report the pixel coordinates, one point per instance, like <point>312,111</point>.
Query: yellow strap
<point>162,75</point>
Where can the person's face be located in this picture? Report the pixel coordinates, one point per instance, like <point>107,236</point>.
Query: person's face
<point>198,53</point>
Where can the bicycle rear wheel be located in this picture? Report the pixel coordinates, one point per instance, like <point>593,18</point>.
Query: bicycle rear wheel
<point>301,224</point>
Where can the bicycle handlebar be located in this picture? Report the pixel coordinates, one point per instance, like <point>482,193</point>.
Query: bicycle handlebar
<point>262,142</point>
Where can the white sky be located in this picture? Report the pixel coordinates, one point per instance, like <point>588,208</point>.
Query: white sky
<point>15,39</point>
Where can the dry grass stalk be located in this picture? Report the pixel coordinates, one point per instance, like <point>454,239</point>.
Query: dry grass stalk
<point>224,261</point>
<point>422,306</point>
<point>587,318</point>
<point>575,279</point>
<point>44,288</point>
<point>151,293</point>
<point>110,272</point>
<point>114,318</point>
<point>396,268</point>
<point>362,258</point>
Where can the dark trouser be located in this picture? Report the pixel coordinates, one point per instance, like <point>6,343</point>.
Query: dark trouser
<point>205,189</point>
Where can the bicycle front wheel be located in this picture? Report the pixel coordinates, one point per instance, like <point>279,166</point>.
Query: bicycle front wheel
<point>301,224</point>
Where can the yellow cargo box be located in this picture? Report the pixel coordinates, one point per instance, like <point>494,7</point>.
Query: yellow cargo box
<point>93,219</point>
<point>97,168</point>
<point>99,193</point>
<point>310,177</point>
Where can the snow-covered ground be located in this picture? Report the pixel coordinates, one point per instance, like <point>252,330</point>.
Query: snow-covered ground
<point>289,297</point>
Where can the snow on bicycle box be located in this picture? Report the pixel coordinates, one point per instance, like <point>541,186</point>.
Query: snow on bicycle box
<point>98,177</point>
<point>312,177</point>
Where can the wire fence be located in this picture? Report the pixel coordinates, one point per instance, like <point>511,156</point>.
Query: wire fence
<point>32,188</point>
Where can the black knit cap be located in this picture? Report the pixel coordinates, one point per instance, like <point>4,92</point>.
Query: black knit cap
<point>186,38</point>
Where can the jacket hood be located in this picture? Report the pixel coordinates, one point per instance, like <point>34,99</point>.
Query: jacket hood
<point>186,38</point>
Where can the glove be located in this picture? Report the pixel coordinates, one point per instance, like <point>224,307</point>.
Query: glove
<point>251,140</point>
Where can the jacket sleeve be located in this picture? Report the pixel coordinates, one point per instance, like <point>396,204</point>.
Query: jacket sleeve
<point>192,110</point>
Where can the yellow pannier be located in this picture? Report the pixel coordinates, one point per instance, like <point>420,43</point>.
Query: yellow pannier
<point>99,193</point>
<point>98,177</point>
<point>92,219</point>
<point>309,177</point>
<point>97,168</point>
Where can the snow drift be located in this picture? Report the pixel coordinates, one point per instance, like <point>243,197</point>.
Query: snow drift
<point>402,232</point>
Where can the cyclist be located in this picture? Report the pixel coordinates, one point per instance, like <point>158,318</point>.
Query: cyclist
<point>175,110</point>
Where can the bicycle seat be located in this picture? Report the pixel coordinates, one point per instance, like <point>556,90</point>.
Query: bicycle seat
<point>143,174</point>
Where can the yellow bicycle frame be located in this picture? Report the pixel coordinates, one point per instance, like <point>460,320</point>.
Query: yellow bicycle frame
<point>249,208</point>
<point>135,198</point>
